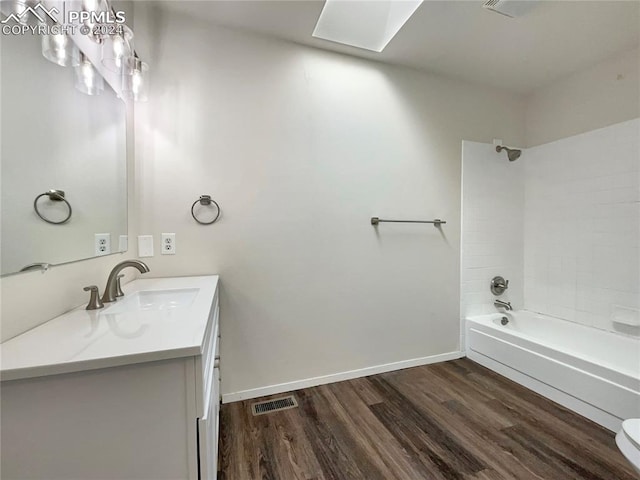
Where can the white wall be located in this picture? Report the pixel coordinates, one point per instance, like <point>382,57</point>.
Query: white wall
<point>602,95</point>
<point>492,228</point>
<point>301,147</point>
<point>582,227</point>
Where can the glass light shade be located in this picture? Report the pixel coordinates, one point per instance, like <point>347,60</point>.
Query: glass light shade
<point>88,79</point>
<point>117,50</point>
<point>93,6</point>
<point>96,6</point>
<point>135,80</point>
<point>60,49</point>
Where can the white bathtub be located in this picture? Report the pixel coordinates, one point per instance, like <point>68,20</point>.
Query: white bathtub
<point>592,372</point>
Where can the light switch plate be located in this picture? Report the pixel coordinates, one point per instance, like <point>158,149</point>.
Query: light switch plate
<point>123,243</point>
<point>145,246</point>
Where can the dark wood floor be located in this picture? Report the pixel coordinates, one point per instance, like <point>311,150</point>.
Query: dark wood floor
<point>453,420</point>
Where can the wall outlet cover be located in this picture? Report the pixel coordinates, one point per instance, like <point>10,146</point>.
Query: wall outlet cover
<point>168,244</point>
<point>102,244</point>
<point>145,246</point>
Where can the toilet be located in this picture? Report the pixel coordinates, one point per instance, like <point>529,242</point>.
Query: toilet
<point>628,440</point>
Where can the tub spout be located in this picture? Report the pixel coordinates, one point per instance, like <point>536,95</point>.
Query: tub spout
<point>505,305</point>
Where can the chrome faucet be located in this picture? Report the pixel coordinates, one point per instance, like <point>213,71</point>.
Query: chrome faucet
<point>111,290</point>
<point>505,305</point>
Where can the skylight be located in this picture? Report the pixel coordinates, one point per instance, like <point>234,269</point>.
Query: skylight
<point>368,24</point>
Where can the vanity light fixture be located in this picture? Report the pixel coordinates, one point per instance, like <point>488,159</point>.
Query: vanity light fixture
<point>117,50</point>
<point>60,49</point>
<point>135,80</point>
<point>367,24</point>
<point>88,80</point>
<point>93,7</point>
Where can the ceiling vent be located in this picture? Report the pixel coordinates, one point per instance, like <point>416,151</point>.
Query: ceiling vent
<point>510,8</point>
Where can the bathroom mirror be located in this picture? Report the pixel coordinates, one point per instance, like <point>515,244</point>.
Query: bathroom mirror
<point>54,137</point>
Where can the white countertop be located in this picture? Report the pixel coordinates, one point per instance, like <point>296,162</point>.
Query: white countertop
<point>85,340</point>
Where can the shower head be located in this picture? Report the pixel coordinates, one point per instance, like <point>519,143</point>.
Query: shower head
<point>512,153</point>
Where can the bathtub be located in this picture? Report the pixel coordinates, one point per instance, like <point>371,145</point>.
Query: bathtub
<point>592,372</point>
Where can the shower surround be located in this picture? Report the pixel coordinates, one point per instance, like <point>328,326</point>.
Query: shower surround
<point>582,226</point>
<point>562,223</point>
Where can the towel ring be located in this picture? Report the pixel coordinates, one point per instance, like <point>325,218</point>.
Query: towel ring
<point>205,200</point>
<point>54,196</point>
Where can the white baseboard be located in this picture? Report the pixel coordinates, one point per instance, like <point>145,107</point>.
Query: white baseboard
<point>337,377</point>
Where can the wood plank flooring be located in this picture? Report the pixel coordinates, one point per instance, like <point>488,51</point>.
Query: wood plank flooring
<point>449,421</point>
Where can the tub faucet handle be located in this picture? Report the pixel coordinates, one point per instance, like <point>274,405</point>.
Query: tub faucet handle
<point>499,285</point>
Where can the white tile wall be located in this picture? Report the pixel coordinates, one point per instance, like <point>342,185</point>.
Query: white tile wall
<point>562,223</point>
<point>582,227</point>
<point>492,227</point>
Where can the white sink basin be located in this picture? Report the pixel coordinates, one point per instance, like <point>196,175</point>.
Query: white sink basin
<point>153,300</point>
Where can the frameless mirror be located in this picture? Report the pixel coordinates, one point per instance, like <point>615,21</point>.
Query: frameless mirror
<point>63,154</point>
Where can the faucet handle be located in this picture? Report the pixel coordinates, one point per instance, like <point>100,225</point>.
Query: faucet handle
<point>119,292</point>
<point>94,302</point>
<point>498,285</point>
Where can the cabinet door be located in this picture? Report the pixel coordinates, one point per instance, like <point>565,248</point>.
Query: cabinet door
<point>206,363</point>
<point>216,418</point>
<point>208,433</point>
<point>208,424</point>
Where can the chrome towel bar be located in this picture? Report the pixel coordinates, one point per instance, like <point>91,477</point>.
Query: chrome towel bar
<point>436,223</point>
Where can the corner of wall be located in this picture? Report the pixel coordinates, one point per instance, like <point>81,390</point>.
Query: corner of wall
<point>601,95</point>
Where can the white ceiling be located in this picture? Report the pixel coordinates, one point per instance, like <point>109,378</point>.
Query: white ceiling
<point>459,38</point>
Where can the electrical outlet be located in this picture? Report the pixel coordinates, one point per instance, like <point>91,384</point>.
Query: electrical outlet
<point>168,244</point>
<point>102,244</point>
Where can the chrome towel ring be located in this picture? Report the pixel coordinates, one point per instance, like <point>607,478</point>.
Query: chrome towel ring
<point>205,200</point>
<point>54,196</point>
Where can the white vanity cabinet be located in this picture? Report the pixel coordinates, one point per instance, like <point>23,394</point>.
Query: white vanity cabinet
<point>135,419</point>
<point>209,421</point>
